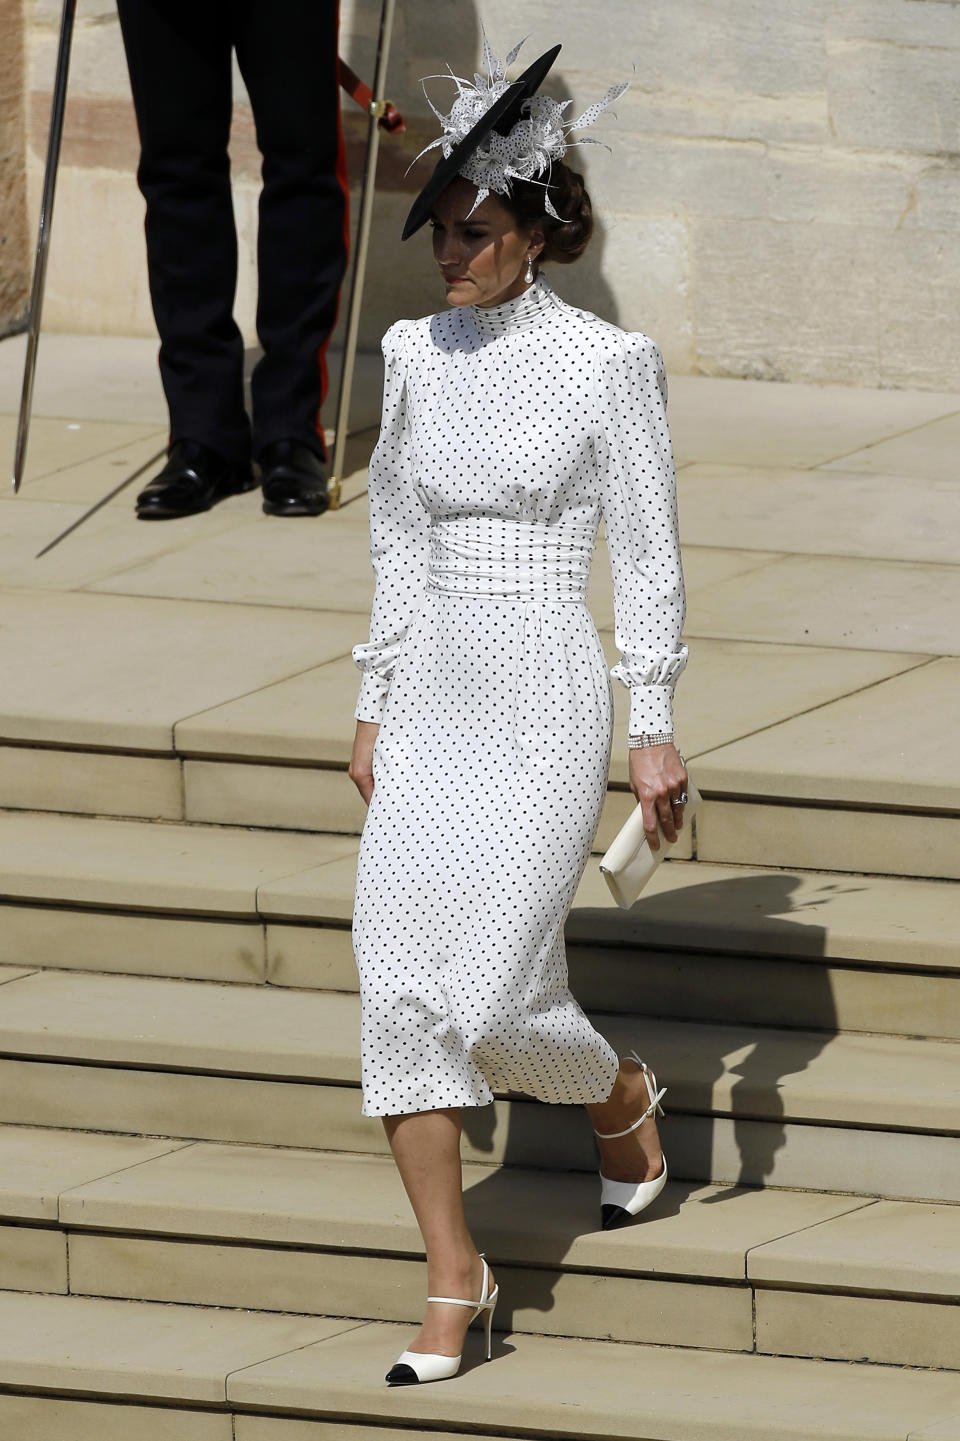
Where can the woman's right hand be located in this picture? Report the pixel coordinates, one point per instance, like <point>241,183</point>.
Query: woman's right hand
<point>360,769</point>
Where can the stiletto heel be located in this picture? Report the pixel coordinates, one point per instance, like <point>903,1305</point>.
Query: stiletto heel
<point>413,1367</point>
<point>619,1200</point>
<point>488,1322</point>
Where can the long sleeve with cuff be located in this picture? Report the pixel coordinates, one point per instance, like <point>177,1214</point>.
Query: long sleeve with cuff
<point>639,507</point>
<point>399,529</point>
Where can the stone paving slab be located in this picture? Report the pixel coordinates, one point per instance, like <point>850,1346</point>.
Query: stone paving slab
<point>115,377</point>
<point>85,481</point>
<point>736,688</point>
<point>890,744</point>
<point>136,1349</point>
<point>821,512</point>
<point>143,866</point>
<point>110,542</point>
<point>185,1025</point>
<point>122,941</point>
<point>316,563</point>
<point>823,837</point>
<point>276,1428</point>
<point>49,1418</point>
<point>91,377</point>
<point>312,895</point>
<point>946,1430</point>
<point>14,973</point>
<point>57,444</point>
<point>38,1165</point>
<point>85,782</point>
<point>833,601</point>
<point>928,451</point>
<point>584,1389</point>
<point>185,1104</point>
<point>703,566</point>
<point>306,718</point>
<point>316,957</point>
<point>33,1258</point>
<point>117,671</point>
<point>859,1328</point>
<point>888,1246</point>
<point>259,1195</point>
<point>285,797</point>
<point>754,423</point>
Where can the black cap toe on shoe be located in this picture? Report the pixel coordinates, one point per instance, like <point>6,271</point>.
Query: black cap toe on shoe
<point>612,1216</point>
<point>402,1375</point>
<point>294,479</point>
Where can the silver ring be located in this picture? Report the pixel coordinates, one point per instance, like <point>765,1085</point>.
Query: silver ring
<point>681,799</point>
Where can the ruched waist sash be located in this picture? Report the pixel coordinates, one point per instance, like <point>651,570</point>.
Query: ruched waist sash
<point>510,559</point>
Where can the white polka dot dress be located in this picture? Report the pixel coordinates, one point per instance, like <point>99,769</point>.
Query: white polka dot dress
<point>506,434</point>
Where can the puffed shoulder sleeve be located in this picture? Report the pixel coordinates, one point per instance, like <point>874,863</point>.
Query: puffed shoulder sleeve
<point>639,504</point>
<point>399,526</point>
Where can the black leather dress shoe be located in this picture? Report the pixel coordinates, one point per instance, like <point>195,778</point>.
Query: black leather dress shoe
<point>193,479</point>
<point>294,479</point>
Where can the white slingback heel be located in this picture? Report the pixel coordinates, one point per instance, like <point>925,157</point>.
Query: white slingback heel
<point>619,1200</point>
<point>416,1366</point>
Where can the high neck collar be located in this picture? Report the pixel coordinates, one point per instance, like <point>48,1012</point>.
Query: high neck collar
<point>529,308</point>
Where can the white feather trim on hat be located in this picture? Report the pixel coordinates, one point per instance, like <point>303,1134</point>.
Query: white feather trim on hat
<point>529,149</point>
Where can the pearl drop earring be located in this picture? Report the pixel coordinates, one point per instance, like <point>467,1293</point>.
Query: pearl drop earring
<point>529,275</point>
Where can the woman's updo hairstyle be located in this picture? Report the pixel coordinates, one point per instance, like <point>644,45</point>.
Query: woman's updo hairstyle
<point>568,237</point>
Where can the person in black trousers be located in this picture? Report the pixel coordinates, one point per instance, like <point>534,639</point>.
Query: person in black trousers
<point>179,58</point>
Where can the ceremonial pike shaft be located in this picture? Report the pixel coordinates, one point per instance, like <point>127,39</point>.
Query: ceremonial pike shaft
<point>379,113</point>
<point>43,237</point>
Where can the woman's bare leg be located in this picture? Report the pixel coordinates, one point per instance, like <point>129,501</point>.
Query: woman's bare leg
<point>637,1156</point>
<point>426,1148</point>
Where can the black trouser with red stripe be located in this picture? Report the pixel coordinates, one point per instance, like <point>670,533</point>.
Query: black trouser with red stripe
<point>179,57</point>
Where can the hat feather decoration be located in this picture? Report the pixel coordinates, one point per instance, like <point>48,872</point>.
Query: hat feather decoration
<point>527,150</point>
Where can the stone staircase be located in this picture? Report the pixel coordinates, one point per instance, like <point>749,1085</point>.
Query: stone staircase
<point>201,1239</point>
<point>198,1224</point>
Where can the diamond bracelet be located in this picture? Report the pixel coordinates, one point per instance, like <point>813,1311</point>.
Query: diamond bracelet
<point>658,738</point>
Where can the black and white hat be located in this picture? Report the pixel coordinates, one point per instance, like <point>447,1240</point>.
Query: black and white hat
<point>498,131</point>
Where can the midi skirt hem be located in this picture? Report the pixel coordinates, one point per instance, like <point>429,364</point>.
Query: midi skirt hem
<point>591,1096</point>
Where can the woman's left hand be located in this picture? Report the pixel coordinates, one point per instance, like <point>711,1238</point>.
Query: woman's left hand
<point>657,777</point>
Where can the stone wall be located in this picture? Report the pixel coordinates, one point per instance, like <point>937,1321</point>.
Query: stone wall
<point>14,264</point>
<point>782,200</point>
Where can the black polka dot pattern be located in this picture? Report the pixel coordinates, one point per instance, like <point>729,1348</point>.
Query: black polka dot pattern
<point>507,433</point>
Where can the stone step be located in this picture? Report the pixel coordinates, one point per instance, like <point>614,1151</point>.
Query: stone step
<point>800,761</point>
<point>139,866</point>
<point>781,1272</point>
<point>765,825</point>
<point>222,1367</point>
<point>758,945</point>
<point>869,1114</point>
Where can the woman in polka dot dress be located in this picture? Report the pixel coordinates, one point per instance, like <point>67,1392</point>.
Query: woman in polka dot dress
<point>511,424</point>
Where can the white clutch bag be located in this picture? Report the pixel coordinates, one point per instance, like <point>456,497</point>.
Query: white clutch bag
<point>629,863</point>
